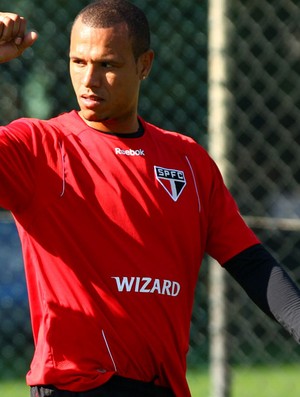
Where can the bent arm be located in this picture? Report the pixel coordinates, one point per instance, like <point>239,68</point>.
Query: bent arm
<point>14,39</point>
<point>13,42</point>
<point>268,285</point>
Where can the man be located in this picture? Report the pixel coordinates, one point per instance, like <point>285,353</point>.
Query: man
<point>114,216</point>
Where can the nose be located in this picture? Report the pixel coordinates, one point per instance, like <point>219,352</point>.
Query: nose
<point>91,77</point>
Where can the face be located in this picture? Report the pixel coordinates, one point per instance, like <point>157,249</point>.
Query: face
<point>106,77</point>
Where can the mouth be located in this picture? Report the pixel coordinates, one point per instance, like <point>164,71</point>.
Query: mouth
<point>91,101</point>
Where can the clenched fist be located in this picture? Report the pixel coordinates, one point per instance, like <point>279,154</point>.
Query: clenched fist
<point>13,36</point>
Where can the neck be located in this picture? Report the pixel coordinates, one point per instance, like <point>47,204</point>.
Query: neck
<point>114,125</point>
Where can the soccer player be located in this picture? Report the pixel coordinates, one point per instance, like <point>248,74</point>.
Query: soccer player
<point>114,216</point>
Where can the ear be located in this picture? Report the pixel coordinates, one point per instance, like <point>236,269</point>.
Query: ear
<point>145,63</point>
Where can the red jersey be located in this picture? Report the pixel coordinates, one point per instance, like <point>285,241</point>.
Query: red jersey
<point>113,230</point>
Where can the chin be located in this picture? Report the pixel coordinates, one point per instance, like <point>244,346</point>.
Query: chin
<point>91,116</point>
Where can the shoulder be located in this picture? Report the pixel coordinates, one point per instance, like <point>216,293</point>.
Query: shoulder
<point>173,137</point>
<point>24,129</point>
<point>68,123</point>
<point>156,130</point>
<point>177,142</point>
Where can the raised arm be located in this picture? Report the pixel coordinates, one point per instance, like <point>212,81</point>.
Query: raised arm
<point>13,36</point>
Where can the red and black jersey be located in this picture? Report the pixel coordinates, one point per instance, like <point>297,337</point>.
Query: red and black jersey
<point>113,231</point>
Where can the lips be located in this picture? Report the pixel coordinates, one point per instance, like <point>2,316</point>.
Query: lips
<point>91,101</point>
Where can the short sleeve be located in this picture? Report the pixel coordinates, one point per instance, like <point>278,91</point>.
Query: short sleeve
<point>228,234</point>
<point>16,166</point>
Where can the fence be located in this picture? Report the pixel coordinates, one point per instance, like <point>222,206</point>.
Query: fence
<point>252,90</point>
<point>261,60</point>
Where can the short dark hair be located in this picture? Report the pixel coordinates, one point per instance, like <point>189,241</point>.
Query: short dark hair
<point>107,13</point>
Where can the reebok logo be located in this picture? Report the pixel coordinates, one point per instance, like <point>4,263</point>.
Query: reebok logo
<point>147,285</point>
<point>130,152</point>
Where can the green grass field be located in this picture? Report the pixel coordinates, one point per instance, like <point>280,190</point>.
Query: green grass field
<point>262,381</point>
<point>259,381</point>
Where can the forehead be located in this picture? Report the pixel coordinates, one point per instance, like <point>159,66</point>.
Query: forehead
<point>85,38</point>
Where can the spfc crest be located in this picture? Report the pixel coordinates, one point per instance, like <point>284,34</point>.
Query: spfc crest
<point>173,181</point>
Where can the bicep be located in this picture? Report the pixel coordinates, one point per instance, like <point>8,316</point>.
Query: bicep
<point>16,170</point>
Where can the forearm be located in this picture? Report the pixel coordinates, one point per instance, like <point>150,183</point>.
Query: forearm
<point>269,286</point>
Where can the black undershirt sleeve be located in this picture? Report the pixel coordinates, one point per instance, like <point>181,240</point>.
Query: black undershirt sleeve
<point>268,285</point>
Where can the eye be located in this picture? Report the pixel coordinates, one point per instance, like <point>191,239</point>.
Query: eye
<point>78,61</point>
<point>106,65</point>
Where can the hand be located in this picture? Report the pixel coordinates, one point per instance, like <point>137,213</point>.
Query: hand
<point>13,36</point>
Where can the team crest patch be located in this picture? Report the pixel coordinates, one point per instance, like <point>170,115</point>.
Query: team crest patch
<point>173,181</point>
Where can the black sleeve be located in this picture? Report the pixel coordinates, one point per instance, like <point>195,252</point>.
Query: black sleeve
<point>268,285</point>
